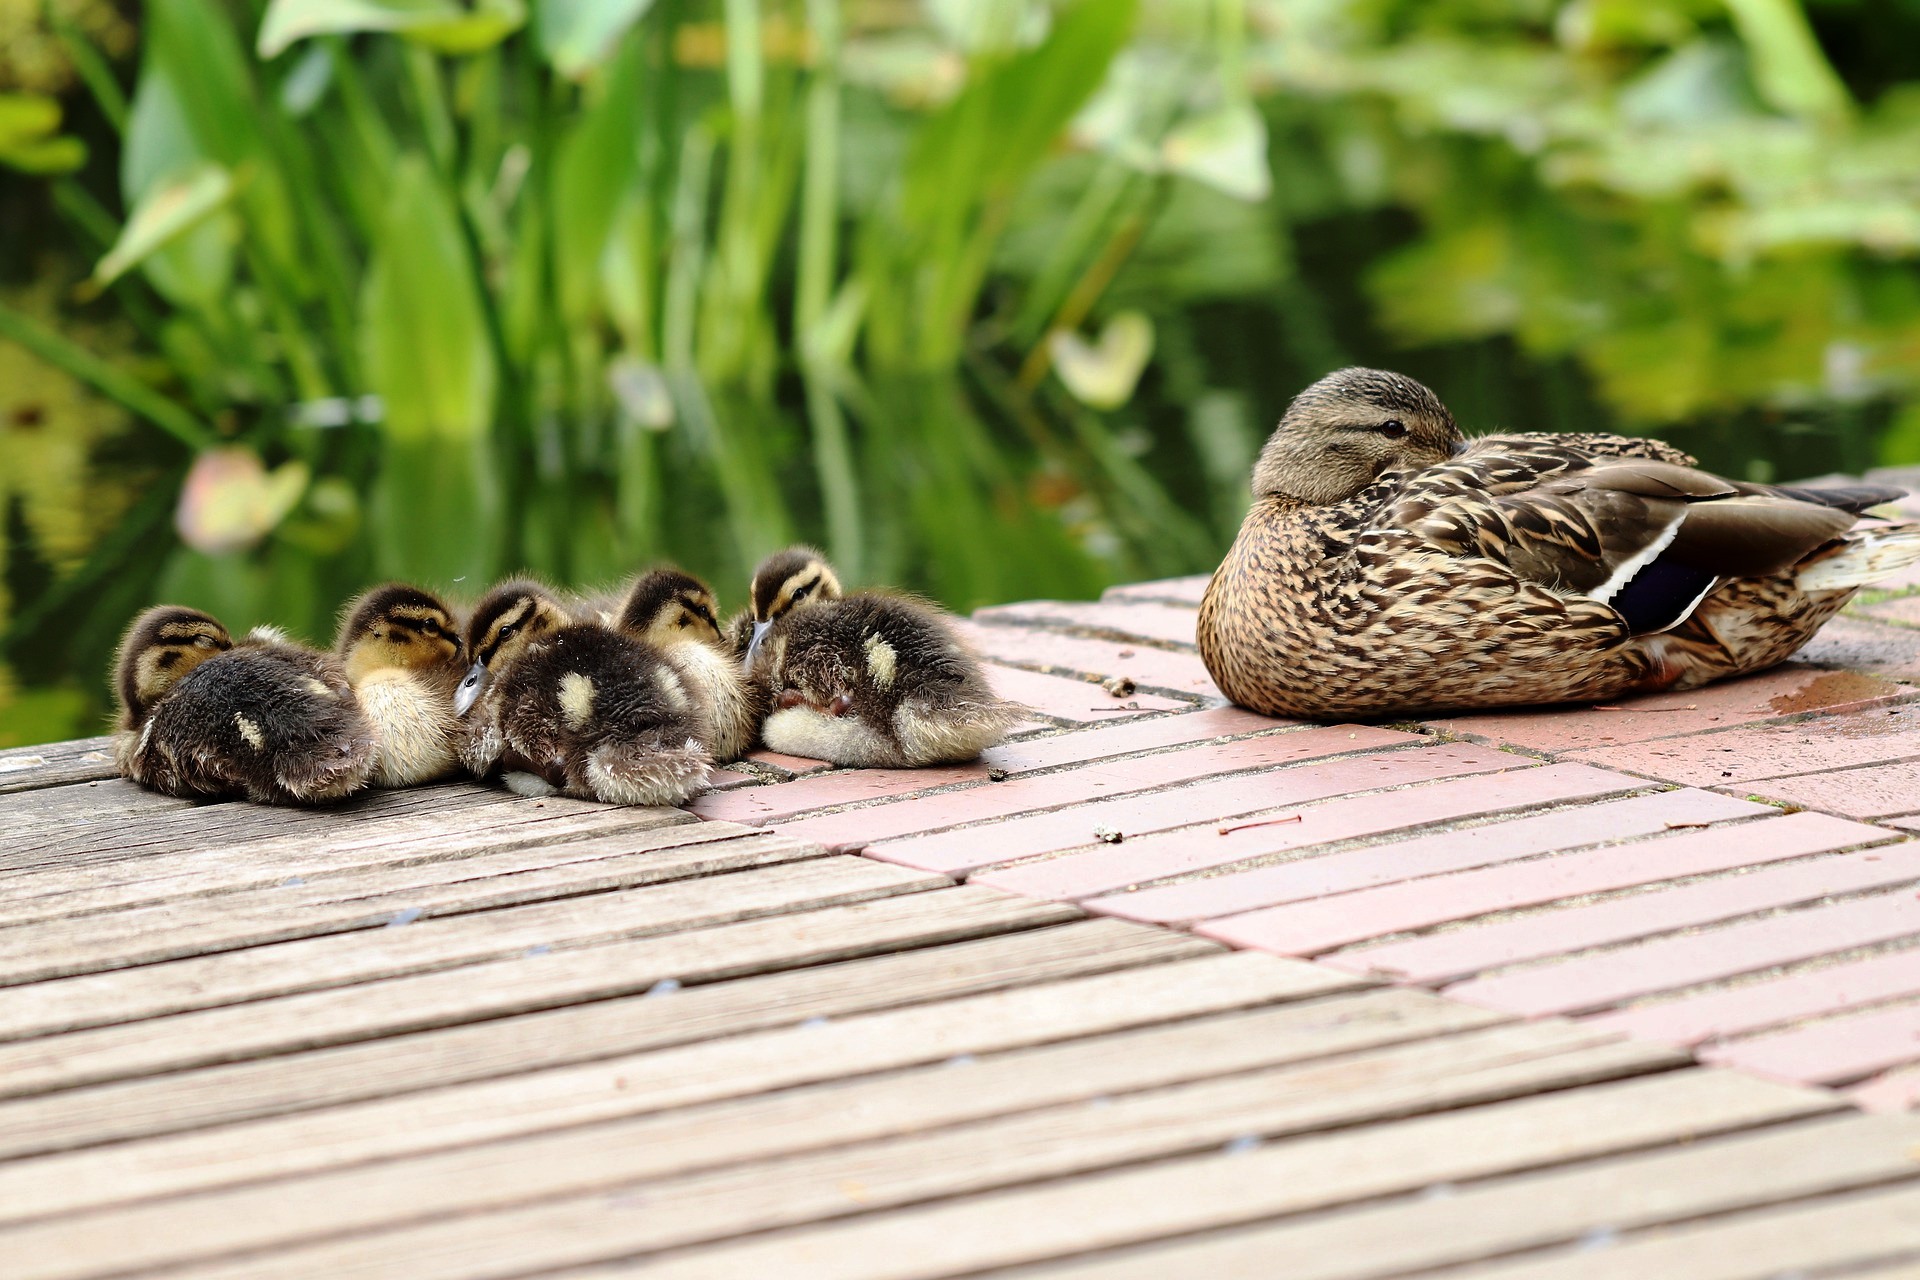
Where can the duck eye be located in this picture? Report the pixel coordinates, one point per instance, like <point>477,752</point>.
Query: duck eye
<point>506,632</point>
<point>1392,428</point>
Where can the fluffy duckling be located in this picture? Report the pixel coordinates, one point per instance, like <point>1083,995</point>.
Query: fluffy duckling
<point>1391,565</point>
<point>868,679</point>
<point>557,704</point>
<point>202,715</point>
<point>404,656</point>
<point>677,614</point>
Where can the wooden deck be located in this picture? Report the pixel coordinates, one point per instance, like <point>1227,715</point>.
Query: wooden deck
<point>1524,996</point>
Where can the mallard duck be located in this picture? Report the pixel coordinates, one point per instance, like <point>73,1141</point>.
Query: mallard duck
<point>872,679</point>
<point>556,704</point>
<point>203,715</point>
<point>677,614</point>
<point>1391,565</point>
<point>403,654</point>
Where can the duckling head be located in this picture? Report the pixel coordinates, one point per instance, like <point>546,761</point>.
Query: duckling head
<point>1346,430</point>
<point>507,620</point>
<point>161,647</point>
<point>667,606</point>
<point>783,582</point>
<point>398,625</point>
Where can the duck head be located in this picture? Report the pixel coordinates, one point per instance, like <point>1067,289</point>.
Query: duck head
<point>667,606</point>
<point>785,581</point>
<point>1346,430</point>
<point>507,620</point>
<point>398,625</point>
<point>161,647</point>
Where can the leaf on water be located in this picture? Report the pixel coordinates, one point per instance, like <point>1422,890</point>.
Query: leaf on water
<point>230,500</point>
<point>443,24</point>
<point>577,35</point>
<point>1226,149</point>
<point>1104,375</point>
<point>168,209</point>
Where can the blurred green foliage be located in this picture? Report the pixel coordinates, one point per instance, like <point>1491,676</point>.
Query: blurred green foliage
<point>994,298</point>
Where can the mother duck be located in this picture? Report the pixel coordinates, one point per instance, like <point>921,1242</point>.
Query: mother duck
<point>1390,565</point>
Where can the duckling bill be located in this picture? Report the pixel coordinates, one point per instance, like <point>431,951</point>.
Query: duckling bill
<point>1390,565</point>
<point>869,679</point>
<point>204,716</point>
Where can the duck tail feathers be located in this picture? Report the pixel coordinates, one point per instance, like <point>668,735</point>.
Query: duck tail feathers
<point>647,771</point>
<point>947,734</point>
<point>1862,557</point>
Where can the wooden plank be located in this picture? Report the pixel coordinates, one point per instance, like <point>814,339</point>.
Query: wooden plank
<point>312,964</point>
<point>1059,1219</point>
<point>56,764</point>
<point>1540,1210</point>
<point>253,1149</point>
<point>69,889</point>
<point>675,1213</point>
<point>1865,1227</point>
<point>785,1123</point>
<point>170,1104</point>
<point>257,917</point>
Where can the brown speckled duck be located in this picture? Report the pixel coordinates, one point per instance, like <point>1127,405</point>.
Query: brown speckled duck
<point>403,654</point>
<point>676,613</point>
<point>205,716</point>
<point>871,678</point>
<point>1390,565</point>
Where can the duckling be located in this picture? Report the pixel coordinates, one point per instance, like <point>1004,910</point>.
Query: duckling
<point>557,704</point>
<point>869,679</point>
<point>404,656</point>
<point>677,614</point>
<point>203,715</point>
<point>1391,565</point>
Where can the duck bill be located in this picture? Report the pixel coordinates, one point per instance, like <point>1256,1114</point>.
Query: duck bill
<point>469,691</point>
<point>753,645</point>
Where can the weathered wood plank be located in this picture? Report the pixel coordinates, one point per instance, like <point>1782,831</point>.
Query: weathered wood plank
<point>1052,1143</point>
<point>1316,1172</point>
<point>312,964</point>
<point>259,1149</point>
<point>258,917</point>
<point>75,888</point>
<point>1541,1210</point>
<point>56,764</point>
<point>784,1123</point>
<point>170,1104</point>
<point>1865,1227</point>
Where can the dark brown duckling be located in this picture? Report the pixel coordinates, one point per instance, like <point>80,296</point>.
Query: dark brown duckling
<point>677,614</point>
<point>1390,565</point>
<point>872,679</point>
<point>405,658</point>
<point>575,706</point>
<point>202,715</point>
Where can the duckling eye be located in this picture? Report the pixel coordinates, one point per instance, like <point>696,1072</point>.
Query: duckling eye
<point>506,632</point>
<point>1392,428</point>
<point>204,642</point>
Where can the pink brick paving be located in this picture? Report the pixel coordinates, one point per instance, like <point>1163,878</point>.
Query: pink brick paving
<point>1730,869</point>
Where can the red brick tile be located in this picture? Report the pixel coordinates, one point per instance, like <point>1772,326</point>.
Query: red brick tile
<point>796,765</point>
<point>1176,590</point>
<point>1095,742</point>
<point>1875,791</point>
<point>1668,964</point>
<point>1347,870</point>
<point>859,828</point>
<point>1895,1091</point>
<point>1792,689</point>
<point>1146,665</point>
<point>1464,951</point>
<point>722,779</point>
<point>1065,698</point>
<point>1756,1006</point>
<point>1104,867</point>
<point>1854,643</point>
<point>1831,1052</point>
<point>1169,624</point>
<point>1308,928</point>
<point>1772,750</point>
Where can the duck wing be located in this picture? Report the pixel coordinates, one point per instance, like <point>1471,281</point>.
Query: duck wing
<point>1646,536</point>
